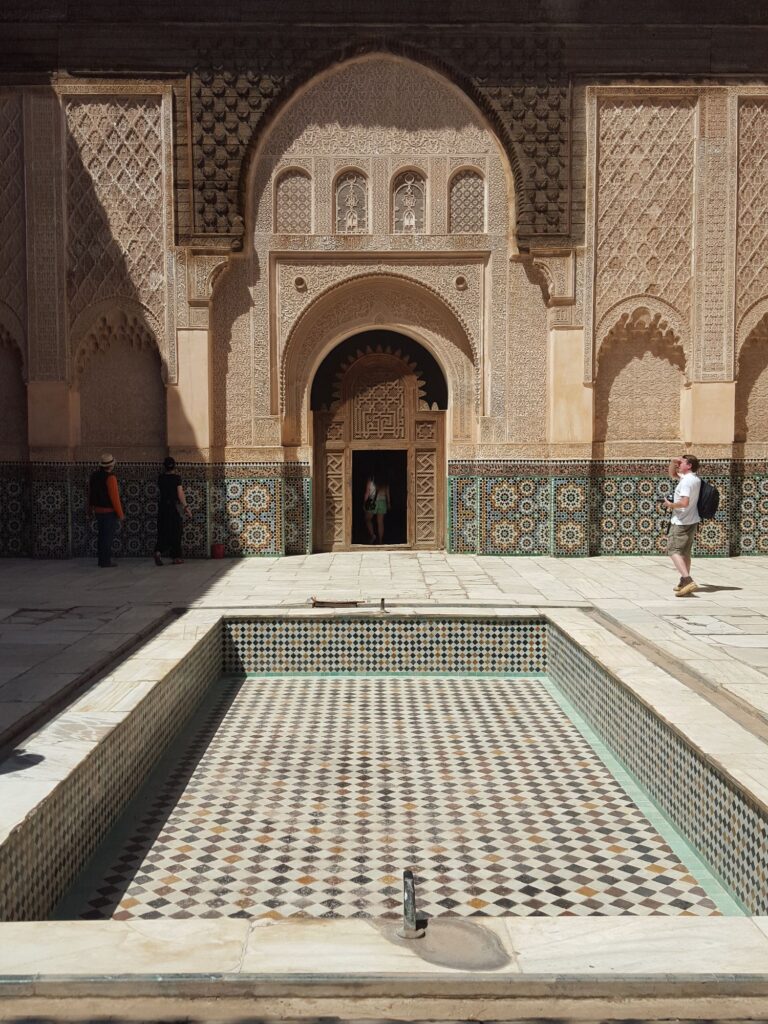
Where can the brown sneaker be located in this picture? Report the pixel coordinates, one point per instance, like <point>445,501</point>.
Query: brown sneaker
<point>680,585</point>
<point>687,589</point>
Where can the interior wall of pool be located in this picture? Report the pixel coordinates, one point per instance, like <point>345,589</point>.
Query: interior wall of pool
<point>73,806</point>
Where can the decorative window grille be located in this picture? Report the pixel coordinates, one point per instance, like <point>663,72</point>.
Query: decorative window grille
<point>467,204</point>
<point>409,204</point>
<point>352,204</point>
<point>294,204</point>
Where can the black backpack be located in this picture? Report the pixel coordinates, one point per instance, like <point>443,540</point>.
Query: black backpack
<point>709,501</point>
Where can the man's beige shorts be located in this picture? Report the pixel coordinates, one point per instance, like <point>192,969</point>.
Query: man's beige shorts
<point>680,539</point>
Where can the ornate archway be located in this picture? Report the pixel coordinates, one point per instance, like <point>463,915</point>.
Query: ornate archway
<point>379,413</point>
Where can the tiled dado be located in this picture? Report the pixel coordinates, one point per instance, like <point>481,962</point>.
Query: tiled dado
<point>494,508</point>
<point>571,509</point>
<point>728,828</point>
<point>365,645</point>
<point>253,509</point>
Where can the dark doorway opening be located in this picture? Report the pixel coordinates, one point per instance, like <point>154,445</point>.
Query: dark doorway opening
<point>389,467</point>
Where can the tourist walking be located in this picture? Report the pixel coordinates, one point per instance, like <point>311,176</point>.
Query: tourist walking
<point>685,519</point>
<point>376,502</point>
<point>172,506</point>
<point>104,503</point>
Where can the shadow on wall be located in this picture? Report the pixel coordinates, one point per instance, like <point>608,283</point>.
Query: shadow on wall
<point>13,283</point>
<point>117,334</point>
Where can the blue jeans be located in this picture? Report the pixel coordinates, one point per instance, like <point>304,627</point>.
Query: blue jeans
<point>107,527</point>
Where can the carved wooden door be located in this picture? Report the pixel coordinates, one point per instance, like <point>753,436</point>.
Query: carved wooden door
<point>378,407</point>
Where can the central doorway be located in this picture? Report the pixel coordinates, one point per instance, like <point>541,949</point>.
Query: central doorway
<point>378,404</point>
<point>389,467</point>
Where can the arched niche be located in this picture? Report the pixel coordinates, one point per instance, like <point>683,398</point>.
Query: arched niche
<point>374,114</point>
<point>640,375</point>
<point>752,386</point>
<point>119,379</point>
<point>375,302</point>
<point>13,399</point>
<point>376,413</point>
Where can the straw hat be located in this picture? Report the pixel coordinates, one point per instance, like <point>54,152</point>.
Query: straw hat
<point>107,461</point>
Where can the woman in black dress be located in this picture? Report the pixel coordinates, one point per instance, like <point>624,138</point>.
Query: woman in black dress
<point>172,502</point>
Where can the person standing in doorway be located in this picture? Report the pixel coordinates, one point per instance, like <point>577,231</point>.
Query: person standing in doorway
<point>685,519</point>
<point>172,505</point>
<point>104,503</point>
<point>376,502</point>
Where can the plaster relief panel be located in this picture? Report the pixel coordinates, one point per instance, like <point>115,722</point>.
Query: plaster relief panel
<point>13,270</point>
<point>640,375</point>
<point>119,377</point>
<point>752,233</point>
<point>714,241</point>
<point>118,200</point>
<point>459,284</point>
<point>13,400</point>
<point>640,203</point>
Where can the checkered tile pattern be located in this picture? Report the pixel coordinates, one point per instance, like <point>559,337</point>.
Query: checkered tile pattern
<point>729,828</point>
<point>310,795</point>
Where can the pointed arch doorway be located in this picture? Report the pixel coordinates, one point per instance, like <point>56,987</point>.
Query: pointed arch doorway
<point>378,406</point>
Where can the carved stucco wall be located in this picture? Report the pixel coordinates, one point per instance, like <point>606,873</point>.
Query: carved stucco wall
<point>526,364</point>
<point>122,395</point>
<point>640,224</point>
<point>13,269</point>
<point>752,237</point>
<point>13,400</point>
<point>118,237</point>
<point>752,386</point>
<point>379,115</point>
<point>520,79</point>
<point>641,368</point>
<point>392,302</point>
<point>13,279</point>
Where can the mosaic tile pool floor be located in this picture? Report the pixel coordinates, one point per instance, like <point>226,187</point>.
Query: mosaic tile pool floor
<point>310,795</point>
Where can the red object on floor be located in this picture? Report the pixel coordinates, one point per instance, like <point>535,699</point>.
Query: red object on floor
<point>217,550</point>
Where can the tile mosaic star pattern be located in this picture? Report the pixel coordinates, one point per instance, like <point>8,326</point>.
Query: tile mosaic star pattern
<point>309,795</point>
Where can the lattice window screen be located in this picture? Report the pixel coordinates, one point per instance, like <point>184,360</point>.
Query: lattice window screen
<point>294,204</point>
<point>409,204</point>
<point>352,204</point>
<point>467,203</point>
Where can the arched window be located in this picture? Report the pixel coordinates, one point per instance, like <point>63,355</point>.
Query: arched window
<point>467,203</point>
<point>409,192</point>
<point>352,203</point>
<point>293,205</point>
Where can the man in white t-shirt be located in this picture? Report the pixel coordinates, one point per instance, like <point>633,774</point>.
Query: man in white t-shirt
<point>685,519</point>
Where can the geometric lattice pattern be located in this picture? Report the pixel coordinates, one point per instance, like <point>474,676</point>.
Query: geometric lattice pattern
<point>751,266</point>
<point>114,201</point>
<point>12,207</point>
<point>307,797</point>
<point>646,159</point>
<point>729,830</point>
<point>294,203</point>
<point>467,204</point>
